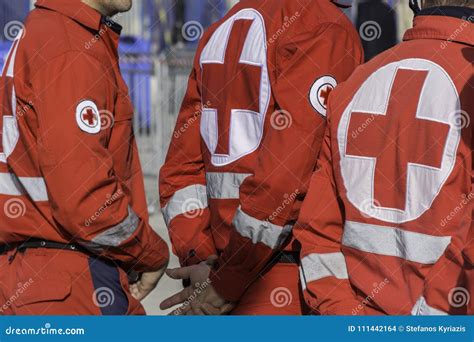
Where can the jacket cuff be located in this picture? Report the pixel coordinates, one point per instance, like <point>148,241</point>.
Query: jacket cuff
<point>154,255</point>
<point>229,284</point>
<point>190,257</point>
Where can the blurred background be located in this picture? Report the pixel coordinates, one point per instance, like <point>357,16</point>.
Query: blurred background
<point>156,52</point>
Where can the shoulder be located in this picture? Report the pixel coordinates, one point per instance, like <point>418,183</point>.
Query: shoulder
<point>50,38</point>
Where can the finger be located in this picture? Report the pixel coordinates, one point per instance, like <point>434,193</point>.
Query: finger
<point>181,311</point>
<point>140,295</point>
<point>194,311</point>
<point>210,310</point>
<point>228,307</point>
<point>143,287</point>
<point>134,291</point>
<point>176,299</point>
<point>179,273</point>
<point>210,260</point>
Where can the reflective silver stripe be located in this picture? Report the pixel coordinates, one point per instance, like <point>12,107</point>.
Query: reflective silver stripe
<point>260,231</point>
<point>193,197</point>
<point>383,240</point>
<point>117,234</point>
<point>224,185</point>
<point>318,266</point>
<point>35,187</point>
<point>422,308</point>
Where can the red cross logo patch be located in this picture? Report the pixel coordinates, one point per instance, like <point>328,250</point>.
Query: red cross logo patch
<point>398,140</point>
<point>236,87</point>
<point>88,117</point>
<point>319,93</point>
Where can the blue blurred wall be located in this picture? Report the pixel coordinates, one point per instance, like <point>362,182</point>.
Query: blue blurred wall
<point>11,10</point>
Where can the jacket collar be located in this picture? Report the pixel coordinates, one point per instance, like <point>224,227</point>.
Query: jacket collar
<point>460,12</point>
<point>76,10</point>
<point>455,26</point>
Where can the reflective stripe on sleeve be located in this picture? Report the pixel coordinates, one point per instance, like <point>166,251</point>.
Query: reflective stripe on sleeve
<point>224,185</point>
<point>193,197</point>
<point>422,308</point>
<point>317,266</point>
<point>117,234</point>
<point>34,187</point>
<point>259,231</point>
<point>390,241</point>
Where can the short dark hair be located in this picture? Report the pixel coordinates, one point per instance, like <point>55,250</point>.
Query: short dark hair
<point>431,3</point>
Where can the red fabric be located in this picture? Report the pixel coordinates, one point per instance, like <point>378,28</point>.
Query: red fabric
<point>47,282</point>
<point>306,40</point>
<point>84,173</point>
<point>320,228</point>
<point>277,292</point>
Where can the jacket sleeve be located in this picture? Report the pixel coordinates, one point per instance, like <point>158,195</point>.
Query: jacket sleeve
<point>89,202</point>
<point>468,254</point>
<point>319,230</point>
<point>445,289</point>
<point>449,287</point>
<point>270,199</point>
<point>183,183</point>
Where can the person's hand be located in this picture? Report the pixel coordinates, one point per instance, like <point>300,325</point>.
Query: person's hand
<point>200,298</point>
<point>146,283</point>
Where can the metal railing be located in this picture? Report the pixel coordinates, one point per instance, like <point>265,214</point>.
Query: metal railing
<point>157,84</point>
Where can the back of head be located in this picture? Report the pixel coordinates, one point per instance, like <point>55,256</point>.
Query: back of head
<point>433,3</point>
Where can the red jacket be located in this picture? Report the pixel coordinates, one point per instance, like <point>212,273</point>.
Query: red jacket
<point>69,165</point>
<point>389,211</point>
<point>250,130</point>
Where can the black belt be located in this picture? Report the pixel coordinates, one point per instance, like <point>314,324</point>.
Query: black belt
<point>49,245</point>
<point>285,258</point>
<point>289,258</point>
<point>32,244</point>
